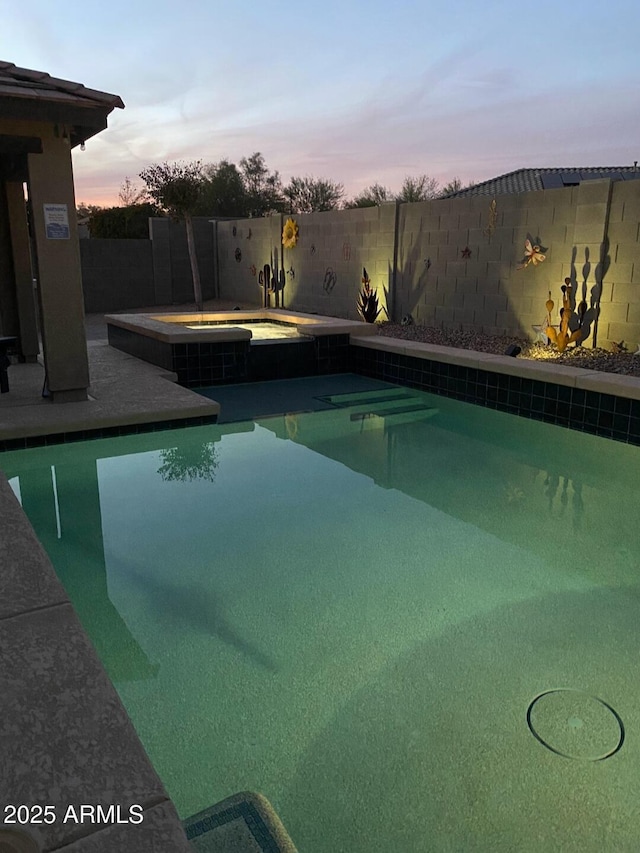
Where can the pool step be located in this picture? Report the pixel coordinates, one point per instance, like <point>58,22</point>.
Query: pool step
<point>364,413</point>
<point>392,405</point>
<point>396,415</point>
<point>356,397</point>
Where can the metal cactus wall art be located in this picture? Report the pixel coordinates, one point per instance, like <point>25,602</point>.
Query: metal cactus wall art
<point>564,335</point>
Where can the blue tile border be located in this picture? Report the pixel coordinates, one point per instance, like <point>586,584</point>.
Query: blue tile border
<point>104,432</point>
<point>601,414</point>
<point>243,810</point>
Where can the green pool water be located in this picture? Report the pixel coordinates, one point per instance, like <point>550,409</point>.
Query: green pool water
<point>376,614</point>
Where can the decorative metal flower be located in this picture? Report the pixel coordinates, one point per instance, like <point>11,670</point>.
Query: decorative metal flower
<point>532,255</point>
<point>290,234</point>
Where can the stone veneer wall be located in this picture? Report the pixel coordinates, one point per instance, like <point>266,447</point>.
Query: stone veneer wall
<point>589,233</point>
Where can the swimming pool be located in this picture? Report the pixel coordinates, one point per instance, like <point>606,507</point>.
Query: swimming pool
<point>374,613</point>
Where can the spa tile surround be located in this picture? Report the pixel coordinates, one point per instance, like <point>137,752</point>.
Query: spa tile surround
<point>208,356</point>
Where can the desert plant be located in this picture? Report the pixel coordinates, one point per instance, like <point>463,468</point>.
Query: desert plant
<point>368,300</point>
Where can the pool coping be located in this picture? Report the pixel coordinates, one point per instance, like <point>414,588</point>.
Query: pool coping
<point>93,739</point>
<point>126,396</point>
<point>558,374</point>
<point>151,326</point>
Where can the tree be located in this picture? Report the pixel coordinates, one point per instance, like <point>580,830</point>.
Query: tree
<point>84,211</point>
<point>191,461</point>
<point>223,191</point>
<point>177,188</point>
<point>130,222</point>
<point>308,195</point>
<point>455,186</point>
<point>130,194</point>
<point>421,188</point>
<point>264,188</point>
<point>370,197</point>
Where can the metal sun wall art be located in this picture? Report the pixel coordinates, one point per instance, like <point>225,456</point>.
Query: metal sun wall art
<point>290,234</point>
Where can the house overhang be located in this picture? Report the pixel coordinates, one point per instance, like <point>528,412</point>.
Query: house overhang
<point>78,112</point>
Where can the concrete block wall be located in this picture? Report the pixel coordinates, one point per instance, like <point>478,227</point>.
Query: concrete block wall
<point>323,273</point>
<point>181,275</point>
<point>243,249</point>
<point>448,262</point>
<point>119,274</point>
<point>620,303</point>
<point>457,260</point>
<point>116,274</point>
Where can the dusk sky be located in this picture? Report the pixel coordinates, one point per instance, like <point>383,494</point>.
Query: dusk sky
<point>358,92</point>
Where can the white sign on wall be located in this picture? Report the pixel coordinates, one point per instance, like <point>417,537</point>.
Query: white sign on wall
<point>56,221</point>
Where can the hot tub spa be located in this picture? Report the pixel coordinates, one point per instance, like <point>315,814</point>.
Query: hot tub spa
<point>214,348</point>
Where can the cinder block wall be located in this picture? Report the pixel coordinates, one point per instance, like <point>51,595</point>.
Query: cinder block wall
<point>116,274</point>
<point>181,275</point>
<point>243,249</point>
<point>449,262</point>
<point>620,306</point>
<point>323,273</point>
<point>456,260</point>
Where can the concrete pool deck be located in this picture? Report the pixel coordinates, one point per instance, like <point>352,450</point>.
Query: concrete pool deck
<point>64,735</point>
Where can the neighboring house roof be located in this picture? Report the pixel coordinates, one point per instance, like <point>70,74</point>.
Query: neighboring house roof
<point>35,95</point>
<point>527,180</point>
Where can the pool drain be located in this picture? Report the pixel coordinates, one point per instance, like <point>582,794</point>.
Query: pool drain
<point>575,724</point>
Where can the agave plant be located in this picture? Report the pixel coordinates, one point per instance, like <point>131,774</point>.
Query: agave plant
<point>368,300</point>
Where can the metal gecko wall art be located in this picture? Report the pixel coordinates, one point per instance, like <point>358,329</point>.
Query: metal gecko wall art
<point>493,219</point>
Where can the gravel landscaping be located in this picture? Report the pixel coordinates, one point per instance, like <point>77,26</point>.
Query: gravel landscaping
<point>627,363</point>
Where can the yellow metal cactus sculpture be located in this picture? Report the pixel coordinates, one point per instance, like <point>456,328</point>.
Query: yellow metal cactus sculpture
<point>563,336</point>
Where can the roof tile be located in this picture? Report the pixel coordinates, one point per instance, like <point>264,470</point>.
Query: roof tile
<point>527,180</point>
<point>18,82</point>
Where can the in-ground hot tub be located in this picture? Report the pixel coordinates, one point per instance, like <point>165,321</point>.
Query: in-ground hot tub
<point>220,347</point>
